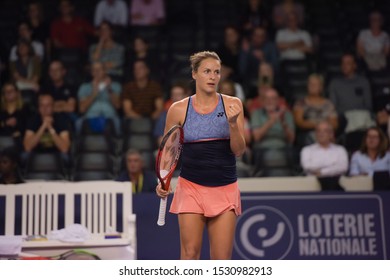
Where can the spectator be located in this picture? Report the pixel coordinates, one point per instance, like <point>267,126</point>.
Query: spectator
<point>9,170</point>
<point>143,96</point>
<point>99,99</point>
<point>112,11</point>
<point>70,31</point>
<point>239,91</point>
<point>63,94</point>
<point>373,44</point>
<point>260,50</point>
<point>228,87</point>
<point>25,34</point>
<point>351,96</point>
<point>107,51</point>
<point>26,70</point>
<point>272,126</point>
<point>39,26</point>
<point>266,81</point>
<point>141,51</point>
<point>323,159</point>
<point>313,109</point>
<point>177,93</point>
<point>255,14</point>
<point>292,42</point>
<point>282,10</point>
<point>147,12</point>
<point>47,131</point>
<point>142,180</point>
<point>229,52</point>
<point>13,114</point>
<point>373,155</point>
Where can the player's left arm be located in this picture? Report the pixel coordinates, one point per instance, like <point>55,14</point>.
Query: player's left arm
<point>235,115</point>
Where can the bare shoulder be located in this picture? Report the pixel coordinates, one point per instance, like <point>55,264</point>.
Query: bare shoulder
<point>177,111</point>
<point>179,106</point>
<point>231,100</point>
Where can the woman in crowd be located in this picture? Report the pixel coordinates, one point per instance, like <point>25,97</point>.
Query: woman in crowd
<point>373,155</point>
<point>312,109</point>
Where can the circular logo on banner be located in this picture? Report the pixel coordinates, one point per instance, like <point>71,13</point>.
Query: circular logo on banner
<point>263,232</point>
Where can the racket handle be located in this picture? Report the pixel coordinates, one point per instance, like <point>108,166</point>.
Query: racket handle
<point>162,211</point>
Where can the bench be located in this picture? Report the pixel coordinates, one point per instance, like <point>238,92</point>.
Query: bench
<point>38,208</point>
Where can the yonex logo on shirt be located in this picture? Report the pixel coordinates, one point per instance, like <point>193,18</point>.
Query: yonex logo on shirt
<point>220,114</point>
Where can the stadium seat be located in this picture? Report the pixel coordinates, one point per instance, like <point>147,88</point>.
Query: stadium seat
<point>92,176</point>
<point>96,143</point>
<point>94,162</point>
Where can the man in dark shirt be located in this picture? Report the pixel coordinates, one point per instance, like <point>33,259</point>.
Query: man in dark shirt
<point>64,95</point>
<point>47,131</point>
<point>142,180</point>
<point>9,173</point>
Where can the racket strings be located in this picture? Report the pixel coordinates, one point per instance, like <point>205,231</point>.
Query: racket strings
<point>170,154</point>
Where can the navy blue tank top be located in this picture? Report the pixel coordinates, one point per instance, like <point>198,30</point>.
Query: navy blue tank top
<point>207,158</point>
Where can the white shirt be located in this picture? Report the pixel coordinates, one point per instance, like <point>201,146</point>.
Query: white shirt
<point>150,12</point>
<point>373,44</point>
<point>38,49</point>
<point>330,161</point>
<point>289,36</point>
<point>362,164</point>
<point>115,13</point>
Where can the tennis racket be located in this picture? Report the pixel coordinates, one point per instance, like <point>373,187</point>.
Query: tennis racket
<point>166,161</point>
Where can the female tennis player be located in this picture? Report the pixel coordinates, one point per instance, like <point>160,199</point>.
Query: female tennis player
<point>207,193</point>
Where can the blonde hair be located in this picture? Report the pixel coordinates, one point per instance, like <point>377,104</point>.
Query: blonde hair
<point>4,104</point>
<point>198,57</point>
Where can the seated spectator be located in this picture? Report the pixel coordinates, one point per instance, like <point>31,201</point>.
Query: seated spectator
<point>266,81</point>
<point>373,44</point>
<point>244,167</point>
<point>141,51</point>
<point>255,14</point>
<point>70,31</point>
<point>48,131</point>
<point>63,94</point>
<point>351,91</point>
<point>313,109</point>
<point>293,43</point>
<point>228,87</point>
<point>142,97</point>
<point>238,89</point>
<point>229,51</point>
<point>142,180</point>
<point>39,25</point>
<point>26,71</point>
<point>99,99</point>
<point>178,92</point>
<point>25,34</point>
<point>373,154</point>
<point>147,12</point>
<point>272,126</point>
<point>323,159</point>
<point>108,52</point>
<point>9,171</point>
<point>260,50</point>
<point>112,11</point>
<point>13,114</point>
<point>282,10</point>
<point>351,96</point>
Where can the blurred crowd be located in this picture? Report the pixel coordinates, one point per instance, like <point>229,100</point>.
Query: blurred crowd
<point>85,88</point>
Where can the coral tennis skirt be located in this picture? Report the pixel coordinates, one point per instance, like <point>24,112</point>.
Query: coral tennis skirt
<point>190,197</point>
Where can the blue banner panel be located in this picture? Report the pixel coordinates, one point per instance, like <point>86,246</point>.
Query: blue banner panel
<point>283,226</point>
<point>337,226</point>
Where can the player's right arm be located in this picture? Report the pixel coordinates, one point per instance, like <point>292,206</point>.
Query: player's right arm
<point>176,114</point>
